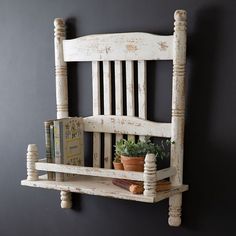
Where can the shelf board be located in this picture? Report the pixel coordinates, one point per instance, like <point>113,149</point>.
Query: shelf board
<point>101,187</point>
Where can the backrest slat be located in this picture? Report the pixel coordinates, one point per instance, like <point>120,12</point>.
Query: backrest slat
<point>142,91</point>
<point>130,90</point>
<point>107,111</point>
<point>96,111</point>
<point>118,92</point>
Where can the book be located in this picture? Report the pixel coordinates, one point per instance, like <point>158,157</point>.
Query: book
<point>136,187</point>
<point>48,145</point>
<point>68,141</point>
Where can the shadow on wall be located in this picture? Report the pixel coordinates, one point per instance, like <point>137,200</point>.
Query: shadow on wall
<point>199,157</point>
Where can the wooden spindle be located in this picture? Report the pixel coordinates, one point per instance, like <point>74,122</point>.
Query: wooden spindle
<point>66,201</point>
<point>96,111</point>
<point>178,106</point>
<point>107,111</point>
<point>61,84</point>
<point>150,175</point>
<point>32,157</point>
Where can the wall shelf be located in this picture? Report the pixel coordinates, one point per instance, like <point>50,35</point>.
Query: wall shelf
<point>105,51</point>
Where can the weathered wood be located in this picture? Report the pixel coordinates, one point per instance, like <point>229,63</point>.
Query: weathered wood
<point>61,78</point>
<point>101,172</point>
<point>96,111</point>
<point>66,201</point>
<point>142,92</point>
<point>130,91</point>
<point>101,187</point>
<point>118,92</point>
<point>32,157</point>
<point>178,106</point>
<point>126,125</point>
<point>118,47</point>
<point>107,111</point>
<point>149,175</point>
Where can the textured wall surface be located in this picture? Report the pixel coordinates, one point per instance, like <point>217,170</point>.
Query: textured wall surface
<point>27,98</point>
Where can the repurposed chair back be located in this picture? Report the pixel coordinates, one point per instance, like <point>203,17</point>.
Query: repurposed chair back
<point>121,51</point>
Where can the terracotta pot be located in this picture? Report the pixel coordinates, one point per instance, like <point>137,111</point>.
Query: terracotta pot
<point>133,163</point>
<point>118,166</point>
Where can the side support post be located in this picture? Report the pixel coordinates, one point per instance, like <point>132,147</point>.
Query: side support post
<point>178,110</point>
<point>32,157</point>
<point>150,175</point>
<point>61,87</point>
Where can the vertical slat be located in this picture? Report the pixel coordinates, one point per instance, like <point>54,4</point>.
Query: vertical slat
<point>96,111</point>
<point>107,111</point>
<point>130,90</point>
<point>142,91</point>
<point>177,121</point>
<point>118,92</point>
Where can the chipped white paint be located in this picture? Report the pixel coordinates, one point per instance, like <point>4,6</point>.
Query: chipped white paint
<point>96,111</point>
<point>101,172</point>
<point>107,111</point>
<point>118,92</point>
<point>130,91</point>
<point>118,47</point>
<point>178,106</point>
<point>101,187</point>
<point>32,157</point>
<point>126,125</point>
<point>142,91</point>
<point>61,78</point>
<point>149,175</point>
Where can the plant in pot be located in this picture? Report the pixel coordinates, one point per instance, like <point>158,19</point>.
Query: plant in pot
<point>132,154</point>
<point>117,163</point>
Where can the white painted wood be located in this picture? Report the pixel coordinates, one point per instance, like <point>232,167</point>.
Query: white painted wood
<point>32,157</point>
<point>60,69</point>
<point>101,187</point>
<point>96,111</point>
<point>101,172</point>
<point>126,125</point>
<point>66,201</point>
<point>130,91</point>
<point>118,92</point>
<point>178,106</point>
<point>142,92</point>
<point>107,111</point>
<point>118,47</point>
<point>150,175</point>
<point>61,77</point>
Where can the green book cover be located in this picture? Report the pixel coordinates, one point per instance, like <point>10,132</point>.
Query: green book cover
<point>48,145</point>
<point>68,141</point>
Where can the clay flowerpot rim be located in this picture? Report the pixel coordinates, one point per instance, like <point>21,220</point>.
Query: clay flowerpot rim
<point>137,157</point>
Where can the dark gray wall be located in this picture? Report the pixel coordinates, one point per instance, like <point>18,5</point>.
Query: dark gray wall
<point>27,98</point>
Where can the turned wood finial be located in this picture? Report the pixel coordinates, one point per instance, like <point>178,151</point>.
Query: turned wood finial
<point>59,30</point>
<point>32,157</point>
<point>66,201</point>
<point>150,175</point>
<point>180,15</point>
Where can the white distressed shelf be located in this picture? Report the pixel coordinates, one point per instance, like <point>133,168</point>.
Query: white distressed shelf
<point>104,50</point>
<point>100,186</point>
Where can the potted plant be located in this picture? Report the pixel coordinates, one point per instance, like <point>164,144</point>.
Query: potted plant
<point>132,154</point>
<point>117,163</point>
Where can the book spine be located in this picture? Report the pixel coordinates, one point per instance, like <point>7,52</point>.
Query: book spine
<point>58,144</point>
<point>52,147</point>
<point>48,145</point>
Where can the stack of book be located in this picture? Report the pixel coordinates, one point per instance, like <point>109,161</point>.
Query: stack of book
<point>64,144</point>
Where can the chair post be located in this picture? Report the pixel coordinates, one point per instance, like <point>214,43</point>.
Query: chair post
<point>32,157</point>
<point>150,175</point>
<point>61,87</point>
<point>178,110</point>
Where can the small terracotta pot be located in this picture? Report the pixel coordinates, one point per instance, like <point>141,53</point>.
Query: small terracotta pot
<point>118,166</point>
<point>133,163</point>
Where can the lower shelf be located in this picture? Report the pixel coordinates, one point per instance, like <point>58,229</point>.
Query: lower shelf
<point>101,187</point>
